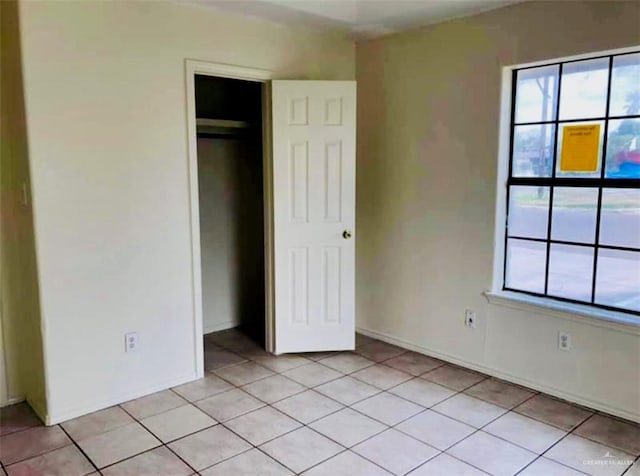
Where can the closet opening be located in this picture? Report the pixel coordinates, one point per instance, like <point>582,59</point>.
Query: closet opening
<point>229,136</point>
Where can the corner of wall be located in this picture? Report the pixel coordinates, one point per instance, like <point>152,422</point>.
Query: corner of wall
<point>19,290</point>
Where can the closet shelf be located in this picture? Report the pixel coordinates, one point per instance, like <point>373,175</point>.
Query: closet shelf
<point>222,123</point>
<point>223,126</point>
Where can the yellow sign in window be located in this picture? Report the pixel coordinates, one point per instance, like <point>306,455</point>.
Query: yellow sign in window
<point>580,148</point>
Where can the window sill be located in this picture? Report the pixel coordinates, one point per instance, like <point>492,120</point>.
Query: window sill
<point>575,312</point>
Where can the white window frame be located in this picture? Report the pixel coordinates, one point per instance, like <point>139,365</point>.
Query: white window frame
<point>497,295</point>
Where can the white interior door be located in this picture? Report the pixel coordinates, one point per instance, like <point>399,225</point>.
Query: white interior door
<point>313,126</point>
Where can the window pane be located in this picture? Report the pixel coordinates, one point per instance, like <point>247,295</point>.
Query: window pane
<point>583,91</point>
<point>570,272</point>
<point>532,150</point>
<point>625,85</point>
<point>528,211</point>
<point>536,93</point>
<point>526,263</point>
<point>623,149</point>
<point>618,279</point>
<point>620,218</point>
<point>559,172</point>
<point>573,217</point>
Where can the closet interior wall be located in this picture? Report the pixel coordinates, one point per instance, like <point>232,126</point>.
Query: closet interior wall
<point>230,184</point>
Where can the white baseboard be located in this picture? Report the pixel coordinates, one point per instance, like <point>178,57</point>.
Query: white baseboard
<point>12,401</point>
<point>55,418</point>
<point>556,392</point>
<point>219,326</point>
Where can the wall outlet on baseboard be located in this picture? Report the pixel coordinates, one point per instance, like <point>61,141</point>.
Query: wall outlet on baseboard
<point>470,318</point>
<point>564,341</point>
<point>131,342</point>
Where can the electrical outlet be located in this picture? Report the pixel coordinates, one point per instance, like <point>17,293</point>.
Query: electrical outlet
<point>564,341</point>
<point>470,318</point>
<point>131,342</point>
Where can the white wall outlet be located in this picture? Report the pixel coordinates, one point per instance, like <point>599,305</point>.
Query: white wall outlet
<point>564,341</point>
<point>131,342</point>
<point>470,318</point>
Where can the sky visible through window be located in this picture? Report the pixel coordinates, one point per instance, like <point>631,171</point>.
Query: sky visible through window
<point>574,233</point>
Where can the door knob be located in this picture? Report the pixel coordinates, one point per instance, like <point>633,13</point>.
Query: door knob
<point>346,234</point>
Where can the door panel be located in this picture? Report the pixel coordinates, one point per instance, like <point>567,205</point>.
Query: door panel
<point>314,204</point>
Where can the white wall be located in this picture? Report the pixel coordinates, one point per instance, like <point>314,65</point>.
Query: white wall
<point>429,103</point>
<point>21,364</point>
<point>106,115</point>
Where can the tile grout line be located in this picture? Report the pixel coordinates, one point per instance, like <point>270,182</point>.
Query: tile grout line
<point>569,432</point>
<point>252,447</point>
<point>548,423</point>
<point>346,450</point>
<point>628,470</point>
<point>479,429</point>
<point>37,455</point>
<point>551,459</point>
<point>305,389</point>
<point>77,445</point>
<point>22,430</point>
<point>572,432</point>
<point>162,443</point>
<point>595,413</point>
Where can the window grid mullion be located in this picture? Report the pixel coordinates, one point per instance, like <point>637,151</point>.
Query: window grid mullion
<point>575,243</point>
<point>553,176</point>
<point>592,182</point>
<point>603,163</point>
<point>524,68</point>
<point>514,82</point>
<point>585,119</point>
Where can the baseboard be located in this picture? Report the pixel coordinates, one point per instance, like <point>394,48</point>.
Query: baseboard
<point>12,401</point>
<point>55,418</point>
<point>556,392</point>
<point>219,326</point>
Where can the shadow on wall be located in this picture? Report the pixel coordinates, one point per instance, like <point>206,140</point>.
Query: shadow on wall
<point>250,243</point>
<point>19,294</point>
<point>231,232</point>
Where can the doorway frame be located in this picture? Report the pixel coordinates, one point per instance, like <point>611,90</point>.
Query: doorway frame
<point>223,70</point>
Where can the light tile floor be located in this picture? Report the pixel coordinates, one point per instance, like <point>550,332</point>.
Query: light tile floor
<point>380,410</point>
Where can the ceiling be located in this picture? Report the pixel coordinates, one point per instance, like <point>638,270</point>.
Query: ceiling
<point>361,18</point>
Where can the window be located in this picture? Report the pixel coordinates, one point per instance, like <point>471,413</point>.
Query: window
<point>573,186</point>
